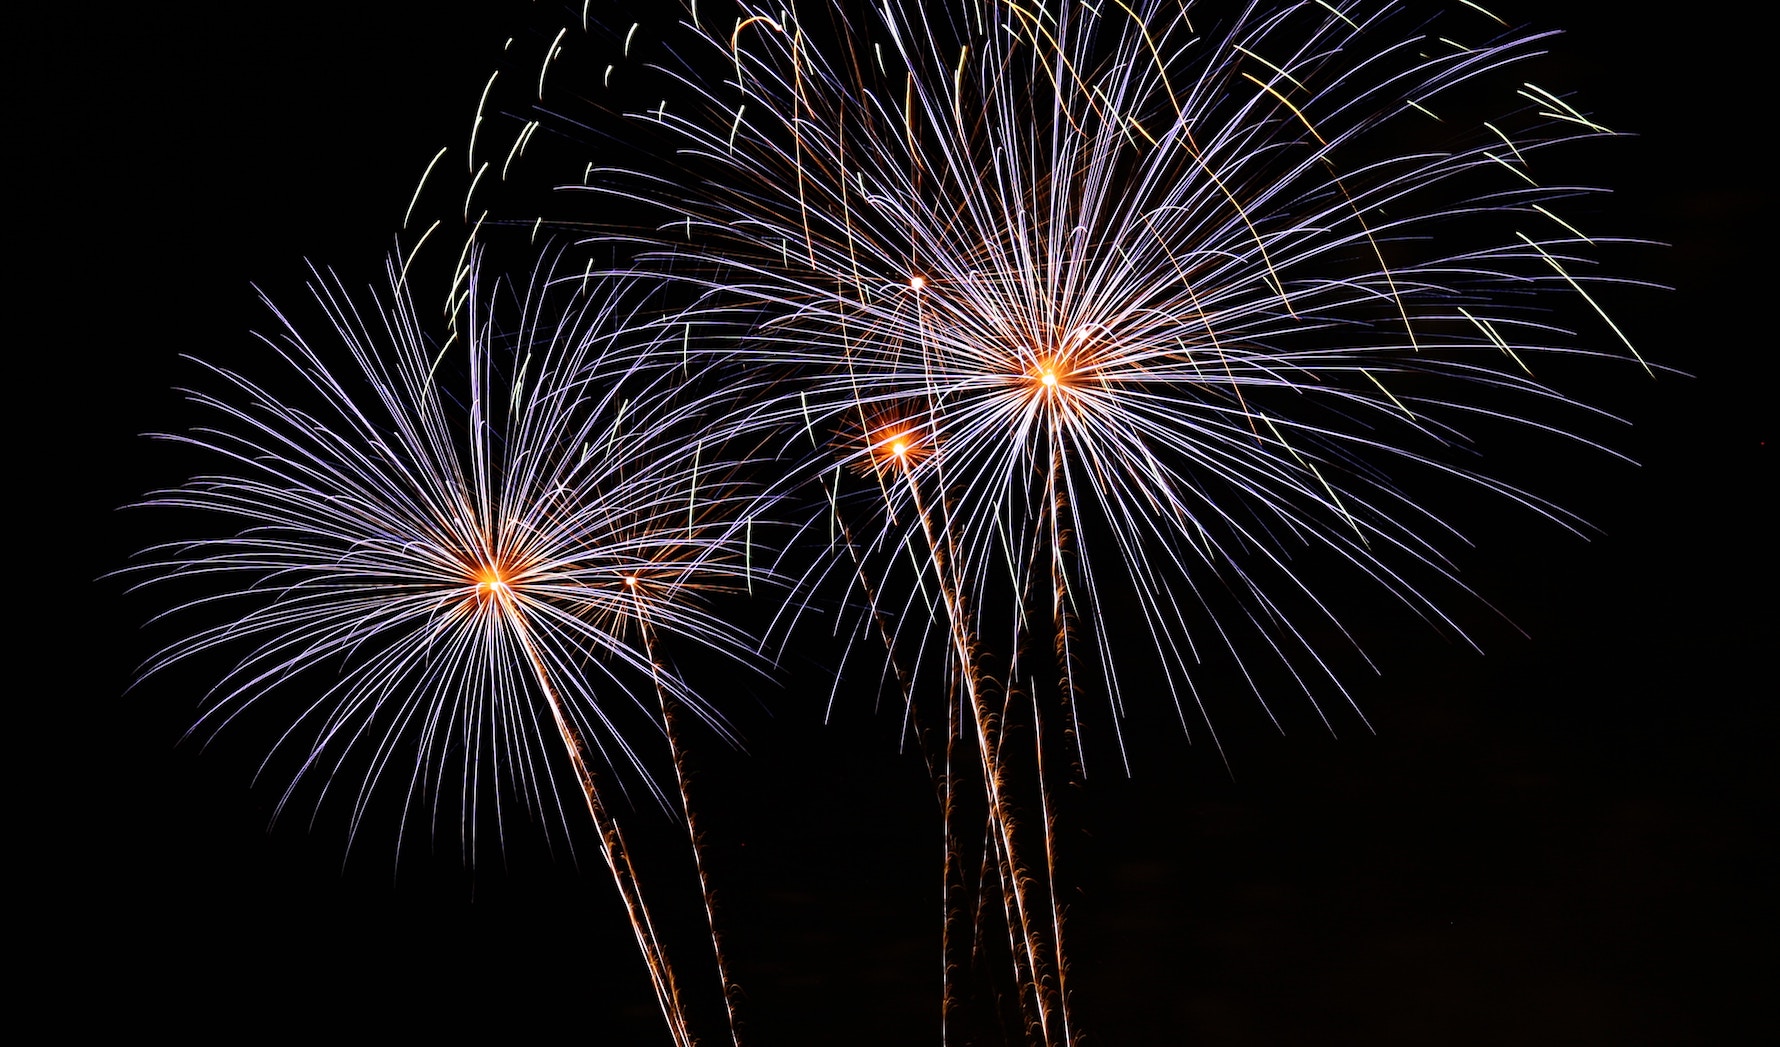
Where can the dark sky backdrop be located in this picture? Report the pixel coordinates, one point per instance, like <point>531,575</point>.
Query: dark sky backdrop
<point>1552,843</point>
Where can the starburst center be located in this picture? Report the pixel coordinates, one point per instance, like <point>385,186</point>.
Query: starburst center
<point>1048,378</point>
<point>895,445</point>
<point>492,582</point>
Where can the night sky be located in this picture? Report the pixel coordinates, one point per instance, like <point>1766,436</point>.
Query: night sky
<point>1554,842</point>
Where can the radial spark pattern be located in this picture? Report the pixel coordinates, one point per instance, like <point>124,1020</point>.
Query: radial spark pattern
<point>453,564</point>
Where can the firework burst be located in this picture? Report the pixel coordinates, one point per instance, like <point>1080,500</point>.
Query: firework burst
<point>1097,325</point>
<point>456,563</point>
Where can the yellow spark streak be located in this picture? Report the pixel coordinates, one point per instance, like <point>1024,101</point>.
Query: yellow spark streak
<point>402,280</point>
<point>1406,411</point>
<point>473,181</point>
<point>519,141</point>
<point>612,847</point>
<point>1489,14</point>
<point>1210,331</point>
<point>1192,150</point>
<point>735,44</point>
<point>958,88</point>
<point>1506,140</point>
<point>1570,112</point>
<point>470,160</point>
<point>1511,167</point>
<point>463,270</point>
<point>418,186</point>
<point>551,52</point>
<point>1314,471</point>
<point>1490,330</point>
<point>1330,8</point>
<point>809,430</point>
<point>1579,233</point>
<point>1295,81</point>
<point>1063,60</point>
<point>1155,55</point>
<point>735,127</point>
<point>1602,313</point>
<point>1283,101</point>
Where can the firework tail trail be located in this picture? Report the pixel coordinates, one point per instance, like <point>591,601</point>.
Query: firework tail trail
<point>670,727</point>
<point>954,892</point>
<point>965,677</point>
<point>1027,947</point>
<point>612,849</point>
<point>1043,974</point>
<point>1033,955</point>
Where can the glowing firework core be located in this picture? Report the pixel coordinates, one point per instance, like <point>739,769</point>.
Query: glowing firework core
<point>491,581</point>
<point>1047,377</point>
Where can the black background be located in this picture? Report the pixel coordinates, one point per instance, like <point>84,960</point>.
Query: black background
<point>1555,842</point>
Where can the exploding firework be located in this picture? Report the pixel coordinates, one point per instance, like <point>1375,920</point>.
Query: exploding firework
<point>455,564</point>
<point>1093,320</point>
<point>1100,329</point>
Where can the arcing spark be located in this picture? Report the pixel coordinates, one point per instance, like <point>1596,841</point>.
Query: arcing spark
<point>1122,308</point>
<point>482,572</point>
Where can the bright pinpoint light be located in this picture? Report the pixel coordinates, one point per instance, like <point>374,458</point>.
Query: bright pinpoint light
<point>916,283</point>
<point>899,448</point>
<point>491,581</point>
